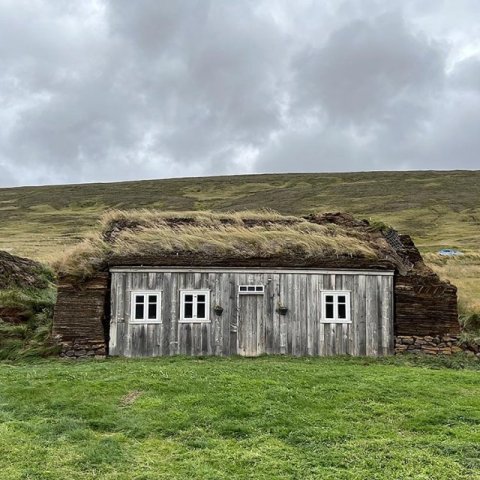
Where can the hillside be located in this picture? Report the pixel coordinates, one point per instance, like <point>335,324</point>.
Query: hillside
<point>438,209</point>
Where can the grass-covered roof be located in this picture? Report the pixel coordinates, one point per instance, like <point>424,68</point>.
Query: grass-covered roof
<point>249,238</point>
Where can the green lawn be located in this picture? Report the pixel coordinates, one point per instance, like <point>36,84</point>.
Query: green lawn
<point>266,418</point>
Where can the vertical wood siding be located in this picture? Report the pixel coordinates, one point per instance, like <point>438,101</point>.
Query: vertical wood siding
<point>251,324</point>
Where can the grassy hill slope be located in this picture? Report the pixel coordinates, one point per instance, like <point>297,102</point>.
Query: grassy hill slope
<point>438,209</point>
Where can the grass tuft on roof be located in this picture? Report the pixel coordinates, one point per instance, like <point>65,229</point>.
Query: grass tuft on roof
<point>250,234</point>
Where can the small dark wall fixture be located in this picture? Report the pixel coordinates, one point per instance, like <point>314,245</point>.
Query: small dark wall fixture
<point>282,310</point>
<point>218,310</point>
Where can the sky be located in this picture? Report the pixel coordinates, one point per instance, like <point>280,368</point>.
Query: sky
<point>104,90</point>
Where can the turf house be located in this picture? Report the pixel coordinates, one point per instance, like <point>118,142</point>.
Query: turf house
<point>152,283</point>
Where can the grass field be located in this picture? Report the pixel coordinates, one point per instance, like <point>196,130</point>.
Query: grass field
<point>439,209</point>
<point>264,418</point>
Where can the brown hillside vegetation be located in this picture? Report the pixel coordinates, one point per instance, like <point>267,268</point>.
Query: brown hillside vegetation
<point>438,209</point>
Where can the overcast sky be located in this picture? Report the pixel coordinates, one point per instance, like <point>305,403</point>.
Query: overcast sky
<point>121,89</point>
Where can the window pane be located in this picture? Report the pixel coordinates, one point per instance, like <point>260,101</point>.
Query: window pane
<point>139,298</point>
<point>152,299</point>
<point>342,310</point>
<point>139,309</point>
<point>200,310</point>
<point>243,288</point>
<point>189,298</point>
<point>259,288</point>
<point>201,298</point>
<point>251,288</point>
<point>188,310</point>
<point>329,298</point>
<point>341,299</point>
<point>329,310</point>
<point>152,311</point>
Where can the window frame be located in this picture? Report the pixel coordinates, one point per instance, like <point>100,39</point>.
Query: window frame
<point>253,289</point>
<point>195,292</point>
<point>348,306</point>
<point>145,319</point>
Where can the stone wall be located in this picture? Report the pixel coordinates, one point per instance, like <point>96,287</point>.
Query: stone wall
<point>433,345</point>
<point>79,321</point>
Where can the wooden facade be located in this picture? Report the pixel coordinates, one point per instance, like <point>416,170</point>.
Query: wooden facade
<point>253,323</point>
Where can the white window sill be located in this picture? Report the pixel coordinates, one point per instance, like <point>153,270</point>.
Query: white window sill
<point>333,320</point>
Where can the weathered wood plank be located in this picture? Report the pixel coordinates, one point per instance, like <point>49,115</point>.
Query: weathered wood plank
<point>269,314</point>
<point>262,300</point>
<point>216,281</point>
<point>301,309</point>
<point>172,283</point>
<point>345,338</point>
<point>188,338</point>
<point>290,317</point>
<point>333,339</point>
<point>252,322</point>
<point>182,339</point>
<point>157,340</point>
<point>130,286</point>
<point>371,317</point>
<point>251,316</point>
<point>205,348</point>
<point>197,339</point>
<point>349,285</point>
<point>120,347</point>
<point>116,291</point>
<point>283,319</point>
<point>168,301</point>
<point>339,339</point>
<point>275,296</point>
<point>360,314</point>
<point>321,333</point>
<point>386,298</point>
<point>231,323</point>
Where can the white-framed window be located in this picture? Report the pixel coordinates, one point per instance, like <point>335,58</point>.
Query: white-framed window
<point>146,307</point>
<point>336,307</point>
<point>194,306</point>
<point>251,289</point>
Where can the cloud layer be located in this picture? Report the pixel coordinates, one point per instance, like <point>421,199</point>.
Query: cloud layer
<point>116,90</point>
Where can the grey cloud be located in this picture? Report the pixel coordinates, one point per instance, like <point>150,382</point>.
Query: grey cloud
<point>216,81</point>
<point>366,68</point>
<point>114,89</point>
<point>466,75</point>
<point>453,137</point>
<point>315,149</point>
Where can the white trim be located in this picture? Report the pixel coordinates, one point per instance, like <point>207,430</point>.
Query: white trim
<point>272,270</point>
<point>348,306</point>
<point>195,292</point>
<point>246,289</point>
<point>145,320</point>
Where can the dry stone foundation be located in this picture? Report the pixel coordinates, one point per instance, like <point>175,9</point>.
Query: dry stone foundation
<point>81,350</point>
<point>433,345</point>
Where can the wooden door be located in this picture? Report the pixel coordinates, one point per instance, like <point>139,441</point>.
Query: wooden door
<point>251,325</point>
